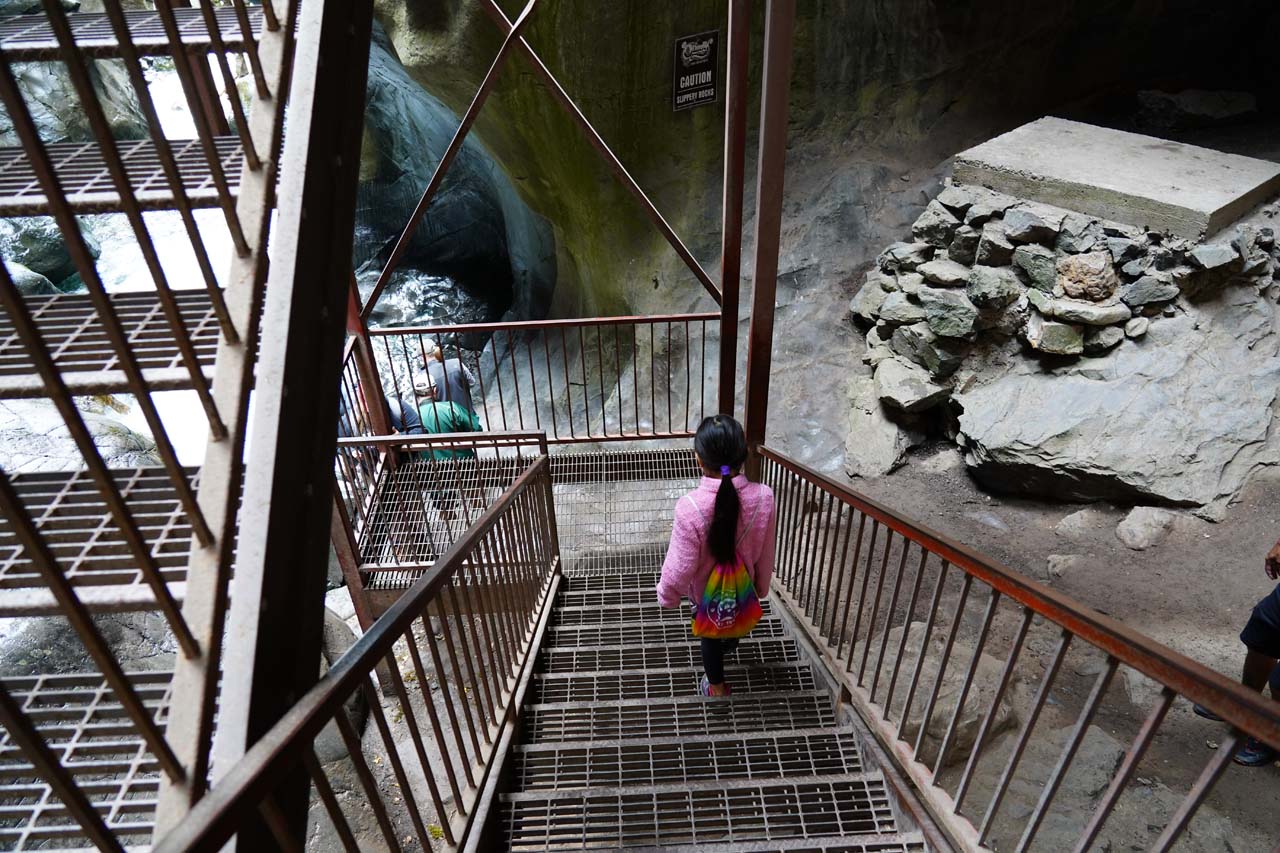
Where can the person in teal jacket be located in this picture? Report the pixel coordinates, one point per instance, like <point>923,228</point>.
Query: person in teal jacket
<point>443,416</point>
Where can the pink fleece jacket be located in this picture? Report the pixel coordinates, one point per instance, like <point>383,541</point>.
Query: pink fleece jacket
<point>688,564</point>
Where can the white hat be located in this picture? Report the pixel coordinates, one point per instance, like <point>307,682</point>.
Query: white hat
<point>422,385</point>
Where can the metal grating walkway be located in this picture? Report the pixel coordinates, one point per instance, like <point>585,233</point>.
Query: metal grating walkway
<point>82,171</point>
<point>29,38</point>
<point>84,355</point>
<point>93,737</point>
<point>620,750</point>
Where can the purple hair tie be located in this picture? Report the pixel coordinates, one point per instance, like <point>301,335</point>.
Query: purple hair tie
<point>725,470</point>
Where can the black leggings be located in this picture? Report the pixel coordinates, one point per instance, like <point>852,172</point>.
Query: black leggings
<point>713,652</point>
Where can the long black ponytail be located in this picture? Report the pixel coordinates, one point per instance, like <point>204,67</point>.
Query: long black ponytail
<point>722,446</point>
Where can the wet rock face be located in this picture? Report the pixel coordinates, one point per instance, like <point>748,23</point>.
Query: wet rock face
<point>477,234</point>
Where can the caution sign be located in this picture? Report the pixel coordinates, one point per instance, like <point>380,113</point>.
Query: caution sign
<point>693,81</point>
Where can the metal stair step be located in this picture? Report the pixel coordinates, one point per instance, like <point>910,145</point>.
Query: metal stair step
<point>664,683</point>
<point>685,716</point>
<point>711,811</point>
<point>674,760</point>
<point>752,650</point>
<point>597,582</point>
<point>628,614</point>
<point>643,633</point>
<point>893,842</point>
<point>30,38</point>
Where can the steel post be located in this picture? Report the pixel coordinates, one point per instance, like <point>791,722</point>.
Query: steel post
<point>735,146</point>
<point>770,165</point>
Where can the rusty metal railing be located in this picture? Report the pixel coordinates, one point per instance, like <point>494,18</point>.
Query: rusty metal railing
<point>467,627</point>
<point>588,380</point>
<point>887,602</point>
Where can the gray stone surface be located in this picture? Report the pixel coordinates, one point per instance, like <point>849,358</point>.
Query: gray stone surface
<point>1148,290</point>
<point>904,257</point>
<point>1062,564</point>
<point>1136,328</point>
<point>898,308</point>
<point>1090,313</point>
<point>993,287</point>
<point>949,313</point>
<point>935,226</point>
<point>866,303</point>
<point>964,245</point>
<point>1105,428</point>
<point>906,386</point>
<point>1024,226</point>
<point>1100,340</point>
<point>1040,265</point>
<point>994,247</point>
<point>1052,337</point>
<point>875,444</point>
<point>1145,527</point>
<point>28,281</point>
<point>1127,177</point>
<point>918,343</point>
<point>946,273</point>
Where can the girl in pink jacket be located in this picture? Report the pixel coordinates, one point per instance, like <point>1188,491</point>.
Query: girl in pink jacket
<point>725,519</point>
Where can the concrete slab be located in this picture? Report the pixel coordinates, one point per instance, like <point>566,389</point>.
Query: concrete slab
<point>1140,180</point>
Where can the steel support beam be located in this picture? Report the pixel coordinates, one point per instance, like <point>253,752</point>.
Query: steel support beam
<point>735,147</point>
<point>770,165</point>
<point>277,597</point>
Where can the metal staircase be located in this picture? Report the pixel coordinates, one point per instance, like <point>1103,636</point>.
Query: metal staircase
<point>618,749</point>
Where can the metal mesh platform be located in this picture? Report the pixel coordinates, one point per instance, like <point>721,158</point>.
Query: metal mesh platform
<point>614,510</point>
<point>94,739</point>
<point>82,171</point>
<point>676,656</point>
<point>647,633</point>
<point>71,514</point>
<point>651,684</point>
<point>29,38</point>
<point>76,338</point>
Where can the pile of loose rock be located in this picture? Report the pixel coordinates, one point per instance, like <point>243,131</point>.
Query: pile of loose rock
<point>985,268</point>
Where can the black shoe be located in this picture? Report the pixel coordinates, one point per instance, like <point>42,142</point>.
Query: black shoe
<point>1202,711</point>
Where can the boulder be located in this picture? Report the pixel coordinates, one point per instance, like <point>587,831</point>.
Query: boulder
<point>964,245</point>
<point>875,355</point>
<point>936,226</point>
<point>1079,234</point>
<point>1182,421</point>
<point>1099,340</point>
<point>1063,564</point>
<point>1008,320</point>
<point>904,257</point>
<point>1123,249</point>
<point>1090,313</point>
<point>1024,226</point>
<point>1148,290</point>
<point>29,282</point>
<point>949,313</point>
<point>36,243</point>
<point>918,343</point>
<point>906,386</point>
<point>898,308</point>
<point>1214,256</point>
<point>875,444</point>
<point>1039,264</point>
<point>910,282</point>
<point>1089,276</point>
<point>1053,338</point>
<point>955,199</point>
<point>1145,527</point>
<point>866,303</point>
<point>1041,301</point>
<point>1082,525</point>
<point>33,437</point>
<point>985,209</point>
<point>994,248</point>
<point>994,287</point>
<point>981,694</point>
<point>946,273</point>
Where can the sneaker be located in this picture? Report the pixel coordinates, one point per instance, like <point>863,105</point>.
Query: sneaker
<point>1255,753</point>
<point>1202,711</point>
<point>704,687</point>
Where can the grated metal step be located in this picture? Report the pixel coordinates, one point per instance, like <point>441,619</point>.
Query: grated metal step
<point>664,683</point>
<point>720,811</point>
<point>624,580</point>
<point>688,716</point>
<point>669,760</point>
<point>630,614</point>
<point>645,633</point>
<point>897,842</point>
<point>677,656</point>
<point>30,38</point>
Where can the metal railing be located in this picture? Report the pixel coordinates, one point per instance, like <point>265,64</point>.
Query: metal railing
<point>468,628</point>
<point>585,380</point>
<point>888,602</point>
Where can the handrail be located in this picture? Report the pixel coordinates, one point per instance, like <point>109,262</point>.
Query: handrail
<point>517,325</point>
<point>477,440</point>
<point>1239,706</point>
<point>249,783</point>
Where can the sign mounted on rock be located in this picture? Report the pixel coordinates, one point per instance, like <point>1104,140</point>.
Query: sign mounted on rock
<point>693,75</point>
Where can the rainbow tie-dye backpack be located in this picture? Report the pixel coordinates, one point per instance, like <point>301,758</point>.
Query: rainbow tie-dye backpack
<point>730,607</point>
